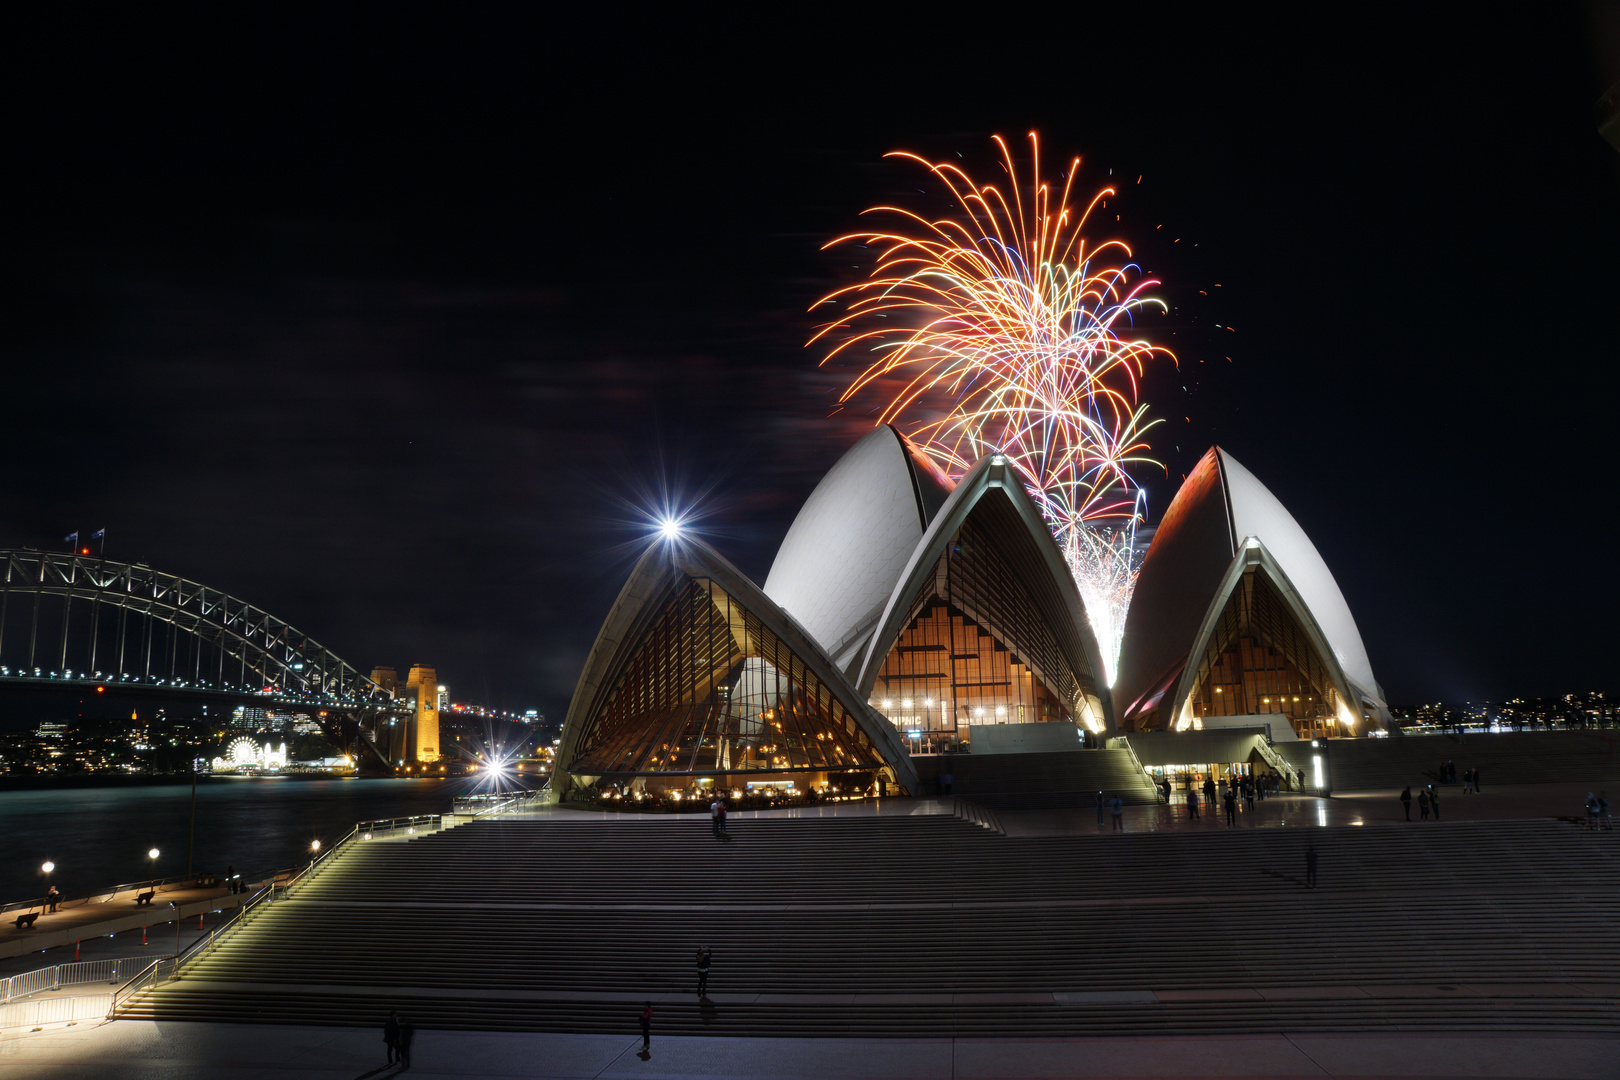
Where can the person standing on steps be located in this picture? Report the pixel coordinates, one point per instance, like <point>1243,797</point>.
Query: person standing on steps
<point>1192,804</point>
<point>703,958</point>
<point>1209,791</point>
<point>1476,779</point>
<point>945,783</point>
<point>1102,804</point>
<point>1231,807</point>
<point>1117,805</point>
<point>1434,803</point>
<point>1406,801</point>
<point>1423,804</point>
<point>646,1026</point>
<point>391,1035</point>
<point>1310,866</point>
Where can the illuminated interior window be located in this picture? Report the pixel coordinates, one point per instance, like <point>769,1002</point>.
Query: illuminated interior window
<point>707,690</point>
<point>1260,661</point>
<point>977,645</point>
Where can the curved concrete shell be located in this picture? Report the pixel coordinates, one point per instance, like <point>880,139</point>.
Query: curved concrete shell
<point>696,672</point>
<point>851,539</point>
<point>1197,548</point>
<point>1040,615</point>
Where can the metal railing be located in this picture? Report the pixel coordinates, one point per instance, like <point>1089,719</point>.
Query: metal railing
<point>101,896</point>
<point>497,802</point>
<point>55,1010</point>
<point>165,968</point>
<point>58,976</point>
<point>280,887</point>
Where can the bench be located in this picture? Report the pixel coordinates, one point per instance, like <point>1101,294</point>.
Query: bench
<point>145,898</point>
<point>25,922</point>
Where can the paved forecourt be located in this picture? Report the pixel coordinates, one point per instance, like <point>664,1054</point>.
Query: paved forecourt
<point>141,1050</point>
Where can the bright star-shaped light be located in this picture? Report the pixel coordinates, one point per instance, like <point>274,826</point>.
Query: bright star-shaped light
<point>670,528</point>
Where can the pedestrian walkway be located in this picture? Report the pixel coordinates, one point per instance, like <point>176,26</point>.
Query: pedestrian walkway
<point>99,916</point>
<point>202,1051</point>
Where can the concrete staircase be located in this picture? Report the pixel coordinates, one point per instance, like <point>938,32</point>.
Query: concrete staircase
<point>1527,757</point>
<point>1044,781</point>
<point>839,926</point>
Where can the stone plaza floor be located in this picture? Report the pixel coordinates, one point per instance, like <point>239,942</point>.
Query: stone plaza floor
<point>138,1050</point>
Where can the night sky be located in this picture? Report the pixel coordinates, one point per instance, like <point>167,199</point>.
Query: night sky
<point>398,327</point>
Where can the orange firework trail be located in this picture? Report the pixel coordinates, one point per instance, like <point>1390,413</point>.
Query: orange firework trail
<point>1002,327</point>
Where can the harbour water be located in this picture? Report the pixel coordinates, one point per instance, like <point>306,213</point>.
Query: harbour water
<point>98,836</point>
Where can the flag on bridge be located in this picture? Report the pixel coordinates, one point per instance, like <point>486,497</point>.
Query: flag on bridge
<point>71,538</point>
<point>99,534</point>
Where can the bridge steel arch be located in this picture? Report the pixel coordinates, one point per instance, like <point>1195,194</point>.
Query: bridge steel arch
<point>78,616</point>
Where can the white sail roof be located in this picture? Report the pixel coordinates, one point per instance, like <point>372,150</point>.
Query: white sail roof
<point>851,539</point>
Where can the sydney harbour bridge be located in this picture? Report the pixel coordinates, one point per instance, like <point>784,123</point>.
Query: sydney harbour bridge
<point>78,622</point>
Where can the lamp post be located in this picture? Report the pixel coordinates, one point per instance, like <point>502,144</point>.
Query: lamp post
<point>152,858</point>
<point>176,907</point>
<point>314,852</point>
<point>45,868</point>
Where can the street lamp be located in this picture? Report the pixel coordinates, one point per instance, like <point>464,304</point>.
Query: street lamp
<point>45,868</point>
<point>152,857</point>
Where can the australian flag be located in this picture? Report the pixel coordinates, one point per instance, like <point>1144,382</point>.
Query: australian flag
<point>98,534</point>
<point>71,538</point>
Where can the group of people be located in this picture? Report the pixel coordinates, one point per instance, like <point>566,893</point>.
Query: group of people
<point>717,816</point>
<point>397,1033</point>
<point>1428,799</point>
<point>1597,810</point>
<point>1470,777</point>
<point>1114,806</point>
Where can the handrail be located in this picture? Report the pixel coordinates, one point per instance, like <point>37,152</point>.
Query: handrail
<point>165,968</point>
<point>1131,750</point>
<point>107,896</point>
<point>1268,754</point>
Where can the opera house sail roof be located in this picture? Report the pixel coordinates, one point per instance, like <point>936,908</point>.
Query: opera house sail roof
<point>697,673</point>
<point>840,558</point>
<point>985,624</point>
<point>1236,614</point>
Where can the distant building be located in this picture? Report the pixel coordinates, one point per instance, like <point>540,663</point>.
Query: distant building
<point>423,681</point>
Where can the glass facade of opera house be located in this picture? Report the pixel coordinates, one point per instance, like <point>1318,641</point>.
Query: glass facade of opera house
<point>903,613</point>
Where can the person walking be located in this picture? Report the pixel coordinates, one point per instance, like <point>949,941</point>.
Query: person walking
<point>1476,779</point>
<point>1231,807</point>
<point>391,1035</point>
<point>714,815</point>
<point>1310,866</point>
<point>1406,801</point>
<point>721,819</point>
<point>1192,804</point>
<point>1423,804</point>
<point>646,1026</point>
<point>703,958</point>
<point>407,1032</point>
<point>1117,806</point>
<point>1102,805</point>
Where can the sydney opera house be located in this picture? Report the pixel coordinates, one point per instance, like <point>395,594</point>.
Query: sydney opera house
<point>905,616</point>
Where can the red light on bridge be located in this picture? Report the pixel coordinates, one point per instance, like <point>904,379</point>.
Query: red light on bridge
<point>84,551</point>
<point>101,689</point>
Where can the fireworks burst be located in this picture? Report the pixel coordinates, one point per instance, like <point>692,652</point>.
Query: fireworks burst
<point>1004,328</point>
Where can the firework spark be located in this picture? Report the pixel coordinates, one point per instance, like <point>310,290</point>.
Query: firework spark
<point>1001,326</point>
